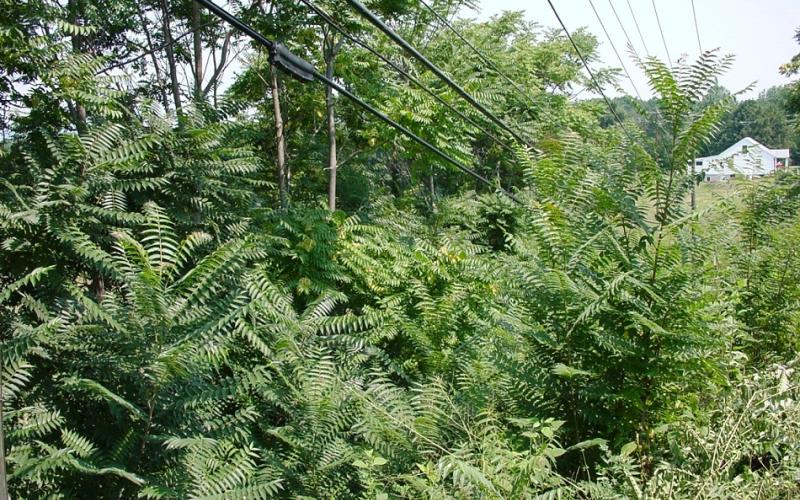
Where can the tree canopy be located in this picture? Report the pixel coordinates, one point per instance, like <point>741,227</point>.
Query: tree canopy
<point>222,282</point>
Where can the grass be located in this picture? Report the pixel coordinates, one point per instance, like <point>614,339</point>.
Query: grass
<point>709,193</point>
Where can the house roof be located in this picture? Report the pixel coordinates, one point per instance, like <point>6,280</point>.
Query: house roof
<point>736,148</point>
<point>780,153</point>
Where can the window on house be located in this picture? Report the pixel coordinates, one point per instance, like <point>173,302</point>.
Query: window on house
<point>699,163</point>
<point>708,179</point>
<point>744,148</point>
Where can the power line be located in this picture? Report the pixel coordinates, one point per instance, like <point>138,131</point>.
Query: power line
<point>477,51</point>
<point>664,40</point>
<point>624,68</point>
<point>619,21</point>
<point>303,68</point>
<point>589,70</point>
<point>696,29</point>
<point>332,22</point>
<point>237,23</point>
<point>410,134</point>
<point>375,21</point>
<point>636,22</point>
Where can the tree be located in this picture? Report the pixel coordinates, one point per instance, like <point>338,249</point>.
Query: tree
<point>330,49</point>
<point>428,338</point>
<point>766,119</point>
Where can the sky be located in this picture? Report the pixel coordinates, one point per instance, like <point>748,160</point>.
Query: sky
<point>760,33</point>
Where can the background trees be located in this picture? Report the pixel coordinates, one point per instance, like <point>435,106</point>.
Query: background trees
<point>183,316</point>
<point>768,118</point>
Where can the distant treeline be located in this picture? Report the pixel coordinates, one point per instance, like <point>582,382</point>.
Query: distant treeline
<point>769,118</point>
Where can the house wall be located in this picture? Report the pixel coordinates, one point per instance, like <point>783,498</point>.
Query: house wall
<point>754,163</point>
<point>731,163</point>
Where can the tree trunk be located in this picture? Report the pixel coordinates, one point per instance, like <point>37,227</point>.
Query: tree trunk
<point>77,48</point>
<point>432,188</point>
<point>152,52</point>
<point>173,70</point>
<point>332,160</point>
<point>3,483</point>
<point>694,186</point>
<point>331,48</point>
<point>80,117</point>
<point>197,42</point>
<point>279,139</point>
<point>98,285</point>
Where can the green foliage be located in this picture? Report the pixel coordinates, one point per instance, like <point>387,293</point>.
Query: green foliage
<point>742,444</point>
<point>168,331</point>
<point>767,119</point>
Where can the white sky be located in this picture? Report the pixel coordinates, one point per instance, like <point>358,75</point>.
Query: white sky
<point>760,33</point>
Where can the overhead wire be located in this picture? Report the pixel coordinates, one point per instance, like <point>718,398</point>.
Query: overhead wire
<point>589,70</point>
<point>635,22</point>
<point>442,19</point>
<point>614,47</point>
<point>661,30</point>
<point>257,37</point>
<point>633,48</point>
<point>338,27</point>
<point>622,26</point>
<point>416,54</point>
<point>383,117</point>
<point>696,29</point>
<point>630,43</point>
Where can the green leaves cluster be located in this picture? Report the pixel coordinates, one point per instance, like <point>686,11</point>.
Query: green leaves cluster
<point>170,331</point>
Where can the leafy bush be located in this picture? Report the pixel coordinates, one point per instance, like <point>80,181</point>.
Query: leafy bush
<point>171,329</point>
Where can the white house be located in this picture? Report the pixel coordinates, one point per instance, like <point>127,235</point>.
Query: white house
<point>746,158</point>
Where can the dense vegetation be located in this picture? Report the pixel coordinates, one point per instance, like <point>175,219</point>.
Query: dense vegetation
<point>769,118</point>
<point>186,312</point>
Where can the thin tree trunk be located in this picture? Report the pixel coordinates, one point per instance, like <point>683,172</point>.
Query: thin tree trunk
<point>80,117</point>
<point>332,160</point>
<point>152,52</point>
<point>197,42</point>
<point>98,284</point>
<point>214,62</point>
<point>432,188</point>
<point>77,48</point>
<point>173,70</point>
<point>3,482</point>
<point>694,186</point>
<point>279,139</point>
<point>331,48</point>
<point>219,68</point>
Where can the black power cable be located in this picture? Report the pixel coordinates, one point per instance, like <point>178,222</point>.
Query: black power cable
<point>412,135</point>
<point>614,47</point>
<point>696,29</point>
<point>375,21</point>
<point>636,22</point>
<point>301,69</point>
<point>660,30</point>
<point>589,70</point>
<point>477,51</point>
<point>332,22</point>
<point>236,22</point>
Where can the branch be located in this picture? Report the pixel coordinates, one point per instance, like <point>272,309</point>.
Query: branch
<point>222,59</point>
<point>225,47</point>
<point>152,51</point>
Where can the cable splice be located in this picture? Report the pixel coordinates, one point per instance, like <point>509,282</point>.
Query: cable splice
<point>327,18</point>
<point>305,66</point>
<point>375,21</point>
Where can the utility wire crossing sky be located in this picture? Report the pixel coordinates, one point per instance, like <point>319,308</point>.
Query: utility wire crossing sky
<point>760,33</point>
